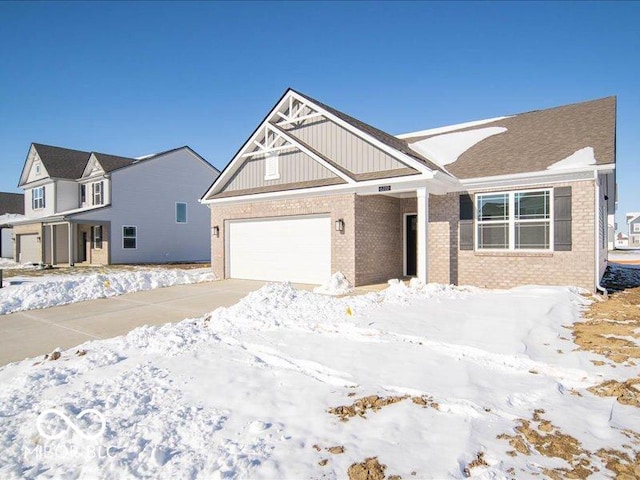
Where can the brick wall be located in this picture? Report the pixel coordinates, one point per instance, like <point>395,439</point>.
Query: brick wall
<point>337,206</point>
<point>379,238</point>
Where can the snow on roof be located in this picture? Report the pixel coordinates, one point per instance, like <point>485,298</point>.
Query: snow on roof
<point>447,148</point>
<point>450,128</point>
<point>581,158</point>
<point>10,217</point>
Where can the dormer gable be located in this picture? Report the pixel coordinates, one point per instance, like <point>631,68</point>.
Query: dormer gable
<point>93,167</point>
<point>34,169</point>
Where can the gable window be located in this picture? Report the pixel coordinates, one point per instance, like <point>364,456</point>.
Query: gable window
<point>37,169</point>
<point>272,167</point>
<point>37,198</point>
<point>181,212</point>
<point>83,194</point>
<point>96,190</point>
<point>96,236</point>
<point>514,220</point>
<point>129,237</point>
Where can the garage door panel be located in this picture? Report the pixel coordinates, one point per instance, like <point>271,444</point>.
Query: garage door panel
<point>29,248</point>
<point>296,249</point>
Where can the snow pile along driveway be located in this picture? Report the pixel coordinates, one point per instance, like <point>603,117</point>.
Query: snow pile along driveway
<point>29,293</point>
<point>435,381</point>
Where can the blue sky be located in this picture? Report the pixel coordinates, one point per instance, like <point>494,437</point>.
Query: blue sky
<point>136,78</point>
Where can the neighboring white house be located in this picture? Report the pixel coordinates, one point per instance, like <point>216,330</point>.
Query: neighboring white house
<point>11,208</point>
<point>95,208</point>
<point>633,224</point>
<point>622,240</point>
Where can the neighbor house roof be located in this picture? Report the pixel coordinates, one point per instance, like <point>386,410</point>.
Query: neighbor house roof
<point>11,203</point>
<point>384,137</point>
<point>563,137</point>
<point>62,162</point>
<point>112,162</point>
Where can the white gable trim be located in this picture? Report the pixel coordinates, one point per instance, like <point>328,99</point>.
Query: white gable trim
<point>89,168</point>
<point>288,97</point>
<point>32,157</point>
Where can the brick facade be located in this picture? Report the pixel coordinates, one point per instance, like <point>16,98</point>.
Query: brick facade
<point>371,248</point>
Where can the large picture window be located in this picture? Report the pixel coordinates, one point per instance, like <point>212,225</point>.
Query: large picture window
<point>129,237</point>
<point>514,220</point>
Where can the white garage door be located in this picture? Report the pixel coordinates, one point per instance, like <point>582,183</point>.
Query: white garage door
<point>295,249</point>
<point>29,248</point>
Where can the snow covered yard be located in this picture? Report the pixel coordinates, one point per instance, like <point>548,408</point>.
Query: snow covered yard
<point>421,382</point>
<point>33,288</point>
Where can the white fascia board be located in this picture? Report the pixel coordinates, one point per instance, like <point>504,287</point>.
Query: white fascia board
<point>401,184</point>
<point>544,176</point>
<point>402,157</point>
<point>237,160</point>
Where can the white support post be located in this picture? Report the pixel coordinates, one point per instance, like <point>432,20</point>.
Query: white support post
<point>53,244</point>
<point>71,243</point>
<point>423,234</point>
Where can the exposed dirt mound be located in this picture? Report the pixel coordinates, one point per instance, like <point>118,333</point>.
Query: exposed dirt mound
<point>479,461</point>
<point>612,327</point>
<point>375,403</point>
<point>370,469</point>
<point>627,392</point>
<point>543,437</point>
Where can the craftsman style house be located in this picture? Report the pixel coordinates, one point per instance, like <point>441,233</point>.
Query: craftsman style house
<point>520,199</point>
<point>94,208</point>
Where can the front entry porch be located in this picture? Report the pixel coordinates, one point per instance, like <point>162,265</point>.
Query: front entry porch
<point>73,243</point>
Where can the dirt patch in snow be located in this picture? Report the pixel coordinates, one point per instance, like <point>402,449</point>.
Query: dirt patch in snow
<point>479,461</point>
<point>541,436</point>
<point>370,469</point>
<point>361,406</point>
<point>611,327</point>
<point>626,393</point>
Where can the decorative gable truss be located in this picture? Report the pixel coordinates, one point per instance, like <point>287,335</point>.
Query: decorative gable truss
<point>93,167</point>
<point>302,145</point>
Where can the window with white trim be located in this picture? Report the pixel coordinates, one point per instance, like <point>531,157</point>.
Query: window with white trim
<point>181,212</point>
<point>37,198</point>
<point>129,237</point>
<point>96,190</point>
<point>37,169</point>
<point>636,228</point>
<point>518,220</point>
<point>272,167</point>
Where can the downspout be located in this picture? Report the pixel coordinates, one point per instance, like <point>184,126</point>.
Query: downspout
<point>596,229</point>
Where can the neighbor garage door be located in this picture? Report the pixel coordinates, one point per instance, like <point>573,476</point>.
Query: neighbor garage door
<point>29,248</point>
<point>295,249</point>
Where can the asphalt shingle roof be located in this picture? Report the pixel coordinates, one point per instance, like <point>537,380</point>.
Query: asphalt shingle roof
<point>113,162</point>
<point>11,203</point>
<point>62,162</point>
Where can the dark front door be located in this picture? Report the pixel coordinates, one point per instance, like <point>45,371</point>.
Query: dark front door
<point>83,248</point>
<point>411,244</point>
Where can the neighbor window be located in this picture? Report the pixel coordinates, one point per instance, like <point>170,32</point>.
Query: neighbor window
<point>514,220</point>
<point>37,198</point>
<point>97,236</point>
<point>636,228</point>
<point>129,237</point>
<point>97,193</point>
<point>181,212</point>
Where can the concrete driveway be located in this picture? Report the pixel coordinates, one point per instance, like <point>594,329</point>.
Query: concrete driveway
<point>36,332</point>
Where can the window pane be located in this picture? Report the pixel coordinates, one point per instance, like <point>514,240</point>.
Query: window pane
<point>129,231</point>
<point>532,235</point>
<point>493,235</point>
<point>532,205</point>
<point>181,212</point>
<point>493,207</point>
<point>129,243</point>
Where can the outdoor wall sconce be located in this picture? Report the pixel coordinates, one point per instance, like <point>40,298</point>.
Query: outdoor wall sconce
<point>340,225</point>
<point>38,239</point>
<point>216,231</point>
